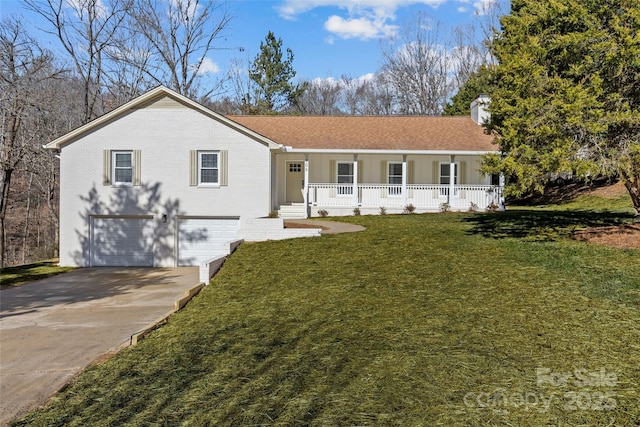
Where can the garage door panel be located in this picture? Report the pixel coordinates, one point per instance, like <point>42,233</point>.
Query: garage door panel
<point>203,238</point>
<point>117,241</point>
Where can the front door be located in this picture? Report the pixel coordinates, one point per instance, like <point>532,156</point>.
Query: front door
<point>295,182</point>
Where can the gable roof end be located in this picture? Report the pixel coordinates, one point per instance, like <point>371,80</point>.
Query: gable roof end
<point>153,94</point>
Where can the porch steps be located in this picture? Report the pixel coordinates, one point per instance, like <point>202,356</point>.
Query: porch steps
<point>292,211</point>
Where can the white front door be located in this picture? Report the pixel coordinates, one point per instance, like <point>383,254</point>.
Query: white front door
<point>295,182</point>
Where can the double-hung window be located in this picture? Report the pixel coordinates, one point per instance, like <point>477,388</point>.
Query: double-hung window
<point>208,168</point>
<point>122,164</point>
<point>445,177</point>
<point>394,174</point>
<point>344,178</point>
<point>121,168</point>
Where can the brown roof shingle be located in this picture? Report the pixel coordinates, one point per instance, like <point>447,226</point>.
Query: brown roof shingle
<point>371,132</point>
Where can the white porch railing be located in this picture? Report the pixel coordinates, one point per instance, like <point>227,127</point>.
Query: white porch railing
<point>421,196</point>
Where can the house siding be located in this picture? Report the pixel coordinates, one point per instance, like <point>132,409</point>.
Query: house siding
<point>164,133</point>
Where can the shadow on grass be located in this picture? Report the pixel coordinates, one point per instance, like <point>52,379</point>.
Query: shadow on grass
<point>539,225</point>
<point>21,274</point>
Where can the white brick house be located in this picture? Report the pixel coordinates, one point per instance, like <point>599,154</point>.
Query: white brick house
<point>164,181</point>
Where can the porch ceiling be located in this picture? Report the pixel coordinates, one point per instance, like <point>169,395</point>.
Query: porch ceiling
<point>401,133</point>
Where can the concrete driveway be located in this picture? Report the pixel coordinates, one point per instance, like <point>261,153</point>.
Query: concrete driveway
<point>53,328</point>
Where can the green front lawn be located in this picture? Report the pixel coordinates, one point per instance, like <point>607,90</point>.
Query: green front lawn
<point>451,319</point>
<point>21,274</point>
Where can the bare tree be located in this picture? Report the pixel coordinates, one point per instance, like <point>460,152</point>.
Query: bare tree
<point>367,95</point>
<point>174,41</point>
<point>126,71</point>
<point>321,98</point>
<point>488,20</point>
<point>351,91</point>
<point>466,56</point>
<point>416,66</point>
<point>376,97</point>
<point>24,67</point>
<point>242,87</point>
<point>87,30</point>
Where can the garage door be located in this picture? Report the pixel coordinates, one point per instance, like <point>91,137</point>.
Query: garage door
<point>118,241</point>
<point>203,238</point>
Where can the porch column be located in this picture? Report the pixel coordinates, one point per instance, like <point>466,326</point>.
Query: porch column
<point>501,183</point>
<point>305,183</point>
<point>355,180</point>
<point>452,178</point>
<point>404,180</point>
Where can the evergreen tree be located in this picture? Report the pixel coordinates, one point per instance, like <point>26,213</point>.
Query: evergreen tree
<point>567,95</point>
<point>272,73</point>
<point>479,82</point>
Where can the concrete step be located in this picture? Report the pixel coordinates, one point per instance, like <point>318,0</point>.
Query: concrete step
<point>294,211</point>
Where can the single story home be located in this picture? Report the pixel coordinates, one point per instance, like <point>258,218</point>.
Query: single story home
<point>163,181</point>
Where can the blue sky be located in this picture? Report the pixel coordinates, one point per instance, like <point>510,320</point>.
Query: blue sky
<point>329,38</point>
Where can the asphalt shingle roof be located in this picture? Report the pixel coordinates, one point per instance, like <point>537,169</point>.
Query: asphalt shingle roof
<point>371,132</point>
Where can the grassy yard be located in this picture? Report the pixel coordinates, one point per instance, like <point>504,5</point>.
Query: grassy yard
<point>422,320</point>
<point>21,274</point>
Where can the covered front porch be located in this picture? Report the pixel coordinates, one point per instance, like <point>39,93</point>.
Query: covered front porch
<point>337,183</point>
<point>394,198</point>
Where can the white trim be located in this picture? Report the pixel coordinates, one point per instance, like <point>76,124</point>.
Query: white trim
<point>452,183</point>
<point>114,182</point>
<point>402,177</point>
<point>355,180</point>
<point>405,178</point>
<point>305,193</point>
<point>350,189</point>
<point>373,151</point>
<point>149,96</point>
<point>199,168</point>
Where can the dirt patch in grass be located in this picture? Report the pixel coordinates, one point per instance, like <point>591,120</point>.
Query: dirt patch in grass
<point>626,236</point>
<point>614,191</point>
<point>564,191</point>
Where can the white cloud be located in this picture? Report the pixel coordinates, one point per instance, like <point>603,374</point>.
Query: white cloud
<point>365,19</point>
<point>290,8</point>
<point>189,8</point>
<point>342,83</point>
<point>80,8</point>
<point>362,28</point>
<point>208,66</point>
<point>483,6</point>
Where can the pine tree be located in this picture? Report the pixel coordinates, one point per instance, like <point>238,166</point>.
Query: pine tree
<point>272,74</point>
<point>567,95</point>
<point>479,82</point>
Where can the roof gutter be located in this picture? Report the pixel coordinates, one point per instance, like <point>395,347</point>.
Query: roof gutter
<point>383,151</point>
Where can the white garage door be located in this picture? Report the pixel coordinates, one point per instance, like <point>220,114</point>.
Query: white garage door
<point>117,241</point>
<point>203,238</point>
